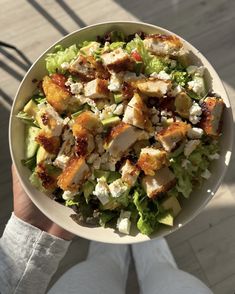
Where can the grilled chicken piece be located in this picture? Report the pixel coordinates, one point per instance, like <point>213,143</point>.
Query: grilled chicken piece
<point>152,159</point>
<point>212,111</point>
<point>154,87</point>
<point>170,136</point>
<point>47,177</point>
<point>49,120</point>
<point>84,142</point>
<point>87,120</point>
<point>162,181</point>
<point>163,44</point>
<point>49,143</point>
<point>130,173</point>
<point>121,138</point>
<point>74,174</point>
<point>83,68</point>
<point>136,113</point>
<point>56,95</point>
<point>117,60</point>
<point>97,88</point>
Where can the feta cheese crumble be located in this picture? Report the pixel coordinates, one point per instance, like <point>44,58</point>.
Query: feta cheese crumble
<point>194,113</point>
<point>190,147</point>
<point>117,188</point>
<point>195,133</point>
<point>123,222</point>
<point>102,190</point>
<point>162,75</point>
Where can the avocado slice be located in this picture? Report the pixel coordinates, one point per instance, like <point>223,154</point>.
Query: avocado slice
<point>172,204</point>
<point>87,189</point>
<point>110,121</point>
<point>31,108</point>
<point>42,155</point>
<point>99,173</point>
<point>166,219</point>
<point>118,98</point>
<point>31,146</point>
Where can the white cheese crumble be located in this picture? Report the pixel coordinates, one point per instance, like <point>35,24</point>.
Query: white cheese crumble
<point>76,88</point>
<point>185,163</point>
<point>195,133</point>
<point>196,86</point>
<point>107,112</point>
<point>123,222</point>
<point>194,113</point>
<point>206,174</point>
<point>61,161</point>
<point>115,82</point>
<point>162,75</point>
<point>214,156</point>
<point>65,65</point>
<point>117,188</point>
<point>102,190</point>
<point>119,109</point>
<point>67,195</point>
<point>190,146</point>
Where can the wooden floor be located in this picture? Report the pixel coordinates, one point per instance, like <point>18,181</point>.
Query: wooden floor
<point>206,246</point>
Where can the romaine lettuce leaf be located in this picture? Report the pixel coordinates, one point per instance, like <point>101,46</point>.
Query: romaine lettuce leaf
<point>152,63</point>
<point>54,60</point>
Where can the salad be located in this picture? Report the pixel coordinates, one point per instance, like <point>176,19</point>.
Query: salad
<point>121,129</point>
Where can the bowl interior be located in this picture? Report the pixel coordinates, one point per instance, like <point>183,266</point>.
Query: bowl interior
<point>61,214</point>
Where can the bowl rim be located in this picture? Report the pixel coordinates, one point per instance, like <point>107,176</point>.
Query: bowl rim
<point>203,203</point>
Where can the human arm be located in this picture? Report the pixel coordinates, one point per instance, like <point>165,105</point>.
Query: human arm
<point>31,247</point>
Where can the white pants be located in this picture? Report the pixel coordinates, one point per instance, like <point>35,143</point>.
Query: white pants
<point>106,270</point>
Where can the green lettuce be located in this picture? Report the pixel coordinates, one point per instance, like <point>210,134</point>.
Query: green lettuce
<point>152,63</point>
<point>61,55</point>
<point>180,77</point>
<point>198,162</point>
<point>148,212</point>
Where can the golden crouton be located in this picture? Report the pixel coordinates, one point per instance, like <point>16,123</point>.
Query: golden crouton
<point>57,96</point>
<point>170,136</point>
<point>74,174</point>
<point>212,110</point>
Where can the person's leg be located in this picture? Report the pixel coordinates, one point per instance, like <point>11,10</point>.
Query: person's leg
<point>104,271</point>
<point>158,273</point>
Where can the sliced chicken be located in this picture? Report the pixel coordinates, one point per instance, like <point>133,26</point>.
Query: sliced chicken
<point>57,96</point>
<point>121,138</point>
<point>152,159</point>
<point>154,87</point>
<point>74,174</point>
<point>170,136</point>
<point>87,120</point>
<point>136,113</point>
<point>50,143</point>
<point>163,44</point>
<point>212,110</point>
<point>97,88</point>
<point>130,173</point>
<point>162,181</point>
<point>117,60</point>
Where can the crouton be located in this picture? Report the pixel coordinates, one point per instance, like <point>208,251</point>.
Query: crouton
<point>161,182</point>
<point>57,96</point>
<point>121,138</point>
<point>212,111</point>
<point>130,173</point>
<point>136,113</point>
<point>97,88</point>
<point>163,44</point>
<point>50,144</point>
<point>117,60</point>
<point>74,174</point>
<point>154,87</point>
<point>152,159</point>
<point>170,136</point>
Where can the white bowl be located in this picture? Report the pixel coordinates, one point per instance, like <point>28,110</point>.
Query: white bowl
<point>60,214</point>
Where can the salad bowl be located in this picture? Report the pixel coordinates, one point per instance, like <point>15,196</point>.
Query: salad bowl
<point>61,214</point>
